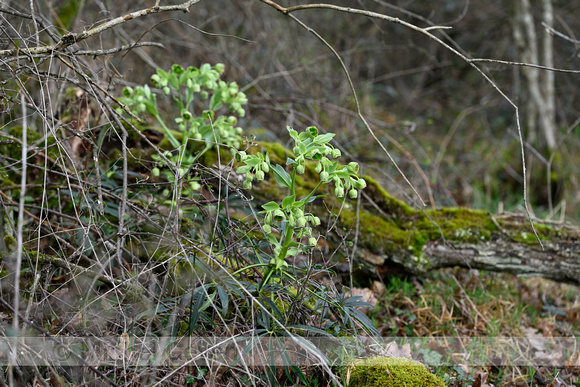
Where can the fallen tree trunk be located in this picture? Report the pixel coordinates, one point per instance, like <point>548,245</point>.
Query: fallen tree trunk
<point>396,238</point>
<point>432,239</point>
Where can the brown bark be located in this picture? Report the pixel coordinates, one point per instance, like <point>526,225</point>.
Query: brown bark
<point>558,260</point>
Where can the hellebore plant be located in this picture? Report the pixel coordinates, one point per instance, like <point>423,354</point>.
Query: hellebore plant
<point>290,218</point>
<point>185,86</point>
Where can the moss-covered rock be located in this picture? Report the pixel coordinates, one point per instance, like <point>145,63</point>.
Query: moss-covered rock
<point>384,371</point>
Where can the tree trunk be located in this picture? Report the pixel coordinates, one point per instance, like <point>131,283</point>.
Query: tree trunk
<point>421,241</point>
<point>396,238</point>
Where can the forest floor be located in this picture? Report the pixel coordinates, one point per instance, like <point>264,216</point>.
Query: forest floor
<point>462,305</point>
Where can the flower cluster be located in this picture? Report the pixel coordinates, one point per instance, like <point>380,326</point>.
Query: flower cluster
<point>288,222</point>
<point>184,85</point>
<point>255,168</point>
<point>311,146</point>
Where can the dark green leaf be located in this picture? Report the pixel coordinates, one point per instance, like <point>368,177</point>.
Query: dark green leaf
<point>282,177</point>
<point>271,206</point>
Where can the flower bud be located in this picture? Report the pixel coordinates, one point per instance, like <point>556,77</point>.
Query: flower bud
<point>259,175</point>
<point>352,167</point>
<point>166,90</point>
<point>300,169</point>
<point>291,220</point>
<point>265,167</point>
<point>339,192</point>
<point>249,177</point>
<point>247,184</point>
<point>360,184</point>
<point>318,168</point>
<point>353,193</point>
<point>324,176</point>
<point>267,229</point>
<point>312,242</point>
<point>336,153</point>
<point>301,222</point>
<point>315,220</point>
<point>155,171</point>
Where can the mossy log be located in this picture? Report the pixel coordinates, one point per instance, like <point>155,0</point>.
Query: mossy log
<point>396,238</point>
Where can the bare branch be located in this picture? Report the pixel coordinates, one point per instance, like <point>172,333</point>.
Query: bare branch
<point>118,49</point>
<point>72,38</point>
<point>522,64</point>
<point>561,35</point>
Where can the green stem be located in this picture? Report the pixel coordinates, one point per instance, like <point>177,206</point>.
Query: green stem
<point>312,192</point>
<point>289,234</point>
<point>292,188</point>
<point>168,133</point>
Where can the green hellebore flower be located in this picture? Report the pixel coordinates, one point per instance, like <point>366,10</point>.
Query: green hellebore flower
<point>315,155</point>
<point>312,242</point>
<point>314,220</point>
<point>353,193</point>
<point>177,69</point>
<point>312,131</point>
<point>360,184</point>
<point>336,153</point>
<point>324,176</point>
<point>352,167</point>
<point>339,192</point>
<point>240,156</point>
<point>259,175</point>
<point>301,221</point>
<point>279,216</point>
<point>267,229</point>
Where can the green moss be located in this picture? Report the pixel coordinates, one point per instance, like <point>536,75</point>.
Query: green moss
<point>382,235</point>
<point>10,242</point>
<point>459,224</point>
<point>383,371</point>
<point>389,204</point>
